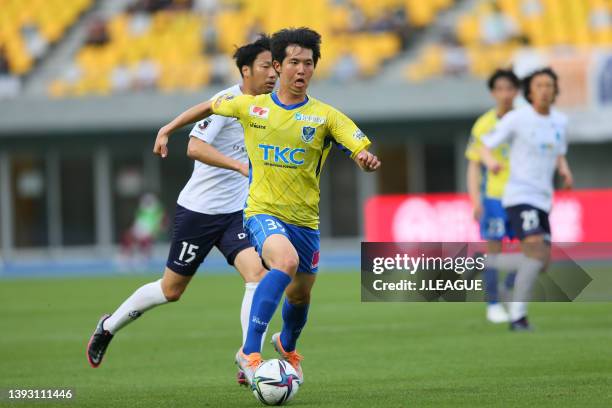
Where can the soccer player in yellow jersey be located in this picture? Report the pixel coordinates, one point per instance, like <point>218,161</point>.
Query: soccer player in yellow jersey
<point>288,135</point>
<point>486,188</point>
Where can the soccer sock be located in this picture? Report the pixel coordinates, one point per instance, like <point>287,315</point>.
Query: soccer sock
<point>490,283</point>
<point>505,289</point>
<point>265,301</point>
<point>525,279</point>
<point>509,282</point>
<point>245,310</point>
<point>294,320</point>
<point>504,262</point>
<point>143,299</point>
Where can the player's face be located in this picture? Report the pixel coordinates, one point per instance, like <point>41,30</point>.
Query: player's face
<point>542,91</point>
<point>296,70</point>
<point>504,93</point>
<point>262,74</point>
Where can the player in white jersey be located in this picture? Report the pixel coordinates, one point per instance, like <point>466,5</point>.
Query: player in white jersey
<point>209,209</point>
<point>537,137</point>
<point>486,189</point>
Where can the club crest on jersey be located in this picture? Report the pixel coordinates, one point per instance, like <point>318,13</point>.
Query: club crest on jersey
<point>259,112</point>
<point>308,133</point>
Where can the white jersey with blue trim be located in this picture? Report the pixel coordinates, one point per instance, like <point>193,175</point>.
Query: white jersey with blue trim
<point>536,141</point>
<point>213,190</point>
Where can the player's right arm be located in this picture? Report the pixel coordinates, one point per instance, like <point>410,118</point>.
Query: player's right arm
<point>474,175</point>
<point>503,132</point>
<point>224,105</point>
<point>191,115</point>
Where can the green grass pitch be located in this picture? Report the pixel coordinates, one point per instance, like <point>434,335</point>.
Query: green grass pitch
<point>356,354</point>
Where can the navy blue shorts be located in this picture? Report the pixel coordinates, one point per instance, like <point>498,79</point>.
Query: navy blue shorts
<point>194,234</point>
<point>528,220</point>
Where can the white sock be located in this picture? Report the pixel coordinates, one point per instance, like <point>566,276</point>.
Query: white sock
<point>517,310</point>
<point>505,262</point>
<point>245,310</point>
<point>143,299</point>
<point>525,278</point>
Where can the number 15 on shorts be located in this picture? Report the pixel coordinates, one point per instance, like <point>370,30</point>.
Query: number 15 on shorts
<point>189,250</point>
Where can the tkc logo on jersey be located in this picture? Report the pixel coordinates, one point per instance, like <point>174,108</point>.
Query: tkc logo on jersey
<point>279,154</point>
<point>259,112</point>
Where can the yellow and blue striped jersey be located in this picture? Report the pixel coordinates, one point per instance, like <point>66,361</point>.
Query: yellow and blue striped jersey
<point>287,146</point>
<point>492,185</point>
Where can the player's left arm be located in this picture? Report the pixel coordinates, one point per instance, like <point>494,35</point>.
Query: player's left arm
<point>201,151</point>
<point>352,140</point>
<point>367,161</point>
<point>562,165</point>
<point>565,172</point>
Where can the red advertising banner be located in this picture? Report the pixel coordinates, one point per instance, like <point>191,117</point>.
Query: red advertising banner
<point>577,216</point>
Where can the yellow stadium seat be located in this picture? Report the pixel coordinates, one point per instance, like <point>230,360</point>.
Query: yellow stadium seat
<point>468,30</point>
<point>231,30</point>
<point>51,17</point>
<point>420,13</point>
<point>339,18</point>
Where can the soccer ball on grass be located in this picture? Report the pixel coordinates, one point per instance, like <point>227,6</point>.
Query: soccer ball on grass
<point>275,382</point>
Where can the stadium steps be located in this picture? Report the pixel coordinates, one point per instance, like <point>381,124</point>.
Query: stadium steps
<point>59,58</point>
<point>443,23</point>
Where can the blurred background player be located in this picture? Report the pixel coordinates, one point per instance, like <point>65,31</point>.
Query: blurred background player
<point>148,224</point>
<point>209,209</point>
<point>288,135</point>
<point>537,137</point>
<point>486,188</point>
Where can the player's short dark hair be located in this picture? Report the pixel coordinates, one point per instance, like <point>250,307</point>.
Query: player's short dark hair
<point>303,36</point>
<point>506,74</point>
<point>544,71</point>
<point>247,54</point>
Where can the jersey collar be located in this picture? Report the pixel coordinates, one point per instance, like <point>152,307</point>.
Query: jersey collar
<point>288,107</point>
<point>238,88</point>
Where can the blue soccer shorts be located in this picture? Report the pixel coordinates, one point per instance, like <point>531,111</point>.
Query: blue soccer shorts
<point>494,223</point>
<point>305,240</point>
